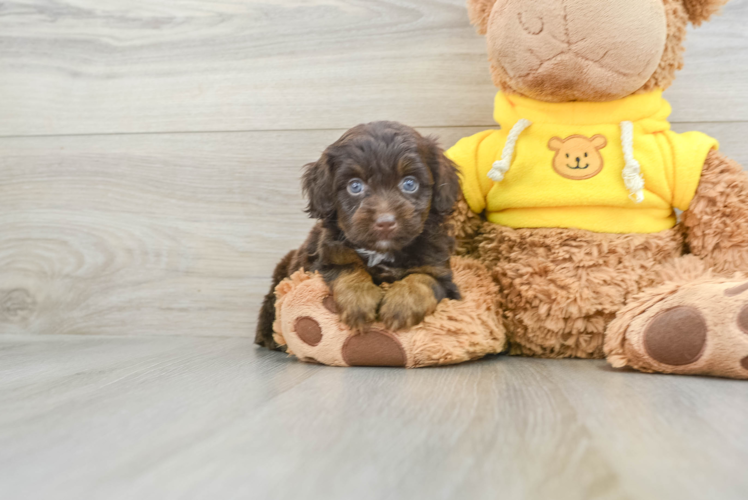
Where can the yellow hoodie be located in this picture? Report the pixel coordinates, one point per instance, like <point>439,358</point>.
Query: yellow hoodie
<point>612,167</point>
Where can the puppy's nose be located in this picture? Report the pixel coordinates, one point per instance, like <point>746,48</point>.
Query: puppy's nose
<point>385,223</point>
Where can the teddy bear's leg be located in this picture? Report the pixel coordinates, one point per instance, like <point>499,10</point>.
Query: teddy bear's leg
<point>697,328</point>
<point>696,324</point>
<point>307,323</point>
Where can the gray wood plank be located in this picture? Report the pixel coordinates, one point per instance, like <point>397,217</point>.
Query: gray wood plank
<point>712,84</point>
<point>120,418</point>
<point>663,454</point>
<point>165,234</point>
<point>83,66</point>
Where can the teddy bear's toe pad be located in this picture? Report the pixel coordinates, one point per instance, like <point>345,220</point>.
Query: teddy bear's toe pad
<point>743,319</point>
<point>330,305</point>
<point>308,330</point>
<point>736,290</point>
<point>373,348</point>
<point>676,336</point>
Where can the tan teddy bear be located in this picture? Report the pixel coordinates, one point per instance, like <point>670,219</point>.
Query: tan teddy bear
<point>569,208</point>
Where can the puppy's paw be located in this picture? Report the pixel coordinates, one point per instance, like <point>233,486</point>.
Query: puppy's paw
<point>358,304</point>
<point>264,333</point>
<point>270,343</point>
<point>408,301</point>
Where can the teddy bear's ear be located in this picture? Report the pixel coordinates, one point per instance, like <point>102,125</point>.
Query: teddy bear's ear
<point>599,141</point>
<point>555,144</point>
<point>701,10</point>
<point>479,12</point>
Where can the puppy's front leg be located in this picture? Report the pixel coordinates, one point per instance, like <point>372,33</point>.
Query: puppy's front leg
<point>357,297</point>
<point>410,300</point>
<point>355,293</point>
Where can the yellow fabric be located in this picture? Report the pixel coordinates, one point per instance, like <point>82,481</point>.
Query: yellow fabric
<point>533,194</point>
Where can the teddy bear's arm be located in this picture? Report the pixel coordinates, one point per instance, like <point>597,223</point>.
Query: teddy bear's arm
<point>463,225</point>
<point>716,222</point>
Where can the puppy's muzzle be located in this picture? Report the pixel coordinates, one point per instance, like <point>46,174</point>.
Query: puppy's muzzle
<point>385,226</point>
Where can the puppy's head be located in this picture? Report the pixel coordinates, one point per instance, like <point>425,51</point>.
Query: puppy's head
<point>380,182</point>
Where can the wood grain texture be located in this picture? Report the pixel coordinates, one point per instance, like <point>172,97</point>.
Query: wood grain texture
<point>87,66</point>
<point>122,418</point>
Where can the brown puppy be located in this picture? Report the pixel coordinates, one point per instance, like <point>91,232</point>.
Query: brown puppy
<point>381,193</point>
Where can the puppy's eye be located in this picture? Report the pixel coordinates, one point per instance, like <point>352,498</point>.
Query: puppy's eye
<point>585,155</point>
<point>409,185</point>
<point>355,186</point>
<point>567,155</point>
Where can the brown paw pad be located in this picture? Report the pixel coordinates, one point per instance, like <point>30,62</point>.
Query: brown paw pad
<point>677,336</point>
<point>743,320</point>
<point>373,348</point>
<point>736,290</point>
<point>330,304</point>
<point>308,330</point>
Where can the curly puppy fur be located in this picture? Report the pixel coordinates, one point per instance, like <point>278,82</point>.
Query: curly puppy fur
<point>373,229</point>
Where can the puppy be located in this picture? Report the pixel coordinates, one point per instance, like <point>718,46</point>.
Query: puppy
<point>381,193</point>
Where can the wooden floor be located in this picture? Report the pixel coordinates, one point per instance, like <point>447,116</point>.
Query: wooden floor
<point>149,179</point>
<point>196,418</point>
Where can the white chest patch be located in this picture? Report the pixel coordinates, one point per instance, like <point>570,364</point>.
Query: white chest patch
<point>374,258</point>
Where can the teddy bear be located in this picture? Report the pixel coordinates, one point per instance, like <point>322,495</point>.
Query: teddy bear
<point>586,227</point>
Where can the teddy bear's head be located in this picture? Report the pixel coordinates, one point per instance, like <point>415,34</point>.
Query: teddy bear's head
<point>578,157</point>
<point>586,50</point>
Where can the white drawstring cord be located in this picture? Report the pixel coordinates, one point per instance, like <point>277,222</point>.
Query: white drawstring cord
<point>500,167</point>
<point>632,175</point>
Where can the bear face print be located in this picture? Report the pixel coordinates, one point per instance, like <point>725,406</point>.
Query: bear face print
<point>578,157</point>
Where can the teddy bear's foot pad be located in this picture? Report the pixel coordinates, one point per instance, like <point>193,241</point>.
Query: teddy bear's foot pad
<point>697,329</point>
<point>676,336</point>
<point>309,330</point>
<point>374,348</point>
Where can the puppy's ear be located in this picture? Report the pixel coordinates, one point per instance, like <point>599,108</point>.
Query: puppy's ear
<point>701,10</point>
<point>317,185</point>
<point>479,12</point>
<point>446,187</point>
